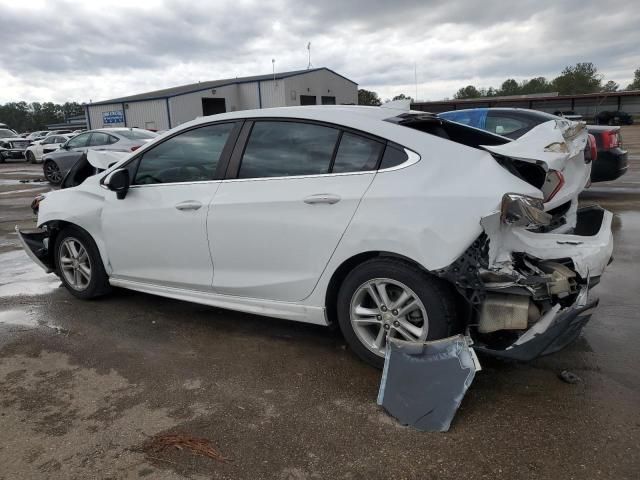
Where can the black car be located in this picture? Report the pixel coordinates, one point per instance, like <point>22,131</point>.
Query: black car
<point>611,160</point>
<point>614,118</point>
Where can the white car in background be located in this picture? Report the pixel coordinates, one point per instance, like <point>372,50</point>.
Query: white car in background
<point>38,148</point>
<point>389,222</point>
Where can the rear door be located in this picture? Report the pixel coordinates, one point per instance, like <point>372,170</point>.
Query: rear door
<point>295,187</point>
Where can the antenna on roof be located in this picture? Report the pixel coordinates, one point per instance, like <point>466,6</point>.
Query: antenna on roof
<point>309,49</point>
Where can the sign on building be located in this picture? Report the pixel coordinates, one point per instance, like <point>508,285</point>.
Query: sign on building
<point>116,116</point>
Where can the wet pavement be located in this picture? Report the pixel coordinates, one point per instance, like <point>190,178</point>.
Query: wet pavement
<point>84,384</point>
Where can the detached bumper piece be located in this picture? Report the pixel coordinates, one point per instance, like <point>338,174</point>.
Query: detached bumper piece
<point>423,383</point>
<point>560,332</point>
<point>36,245</point>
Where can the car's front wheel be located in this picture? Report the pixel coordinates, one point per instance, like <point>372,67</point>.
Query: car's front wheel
<point>52,172</point>
<point>31,158</point>
<point>389,298</point>
<point>79,264</point>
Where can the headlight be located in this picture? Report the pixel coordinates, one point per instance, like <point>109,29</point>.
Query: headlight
<point>523,211</point>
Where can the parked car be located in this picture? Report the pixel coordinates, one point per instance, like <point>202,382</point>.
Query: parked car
<point>38,135</point>
<point>349,215</point>
<point>57,164</point>
<point>614,118</point>
<point>48,144</point>
<point>11,145</point>
<point>610,161</point>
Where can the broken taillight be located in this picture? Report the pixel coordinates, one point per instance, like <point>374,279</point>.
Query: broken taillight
<point>591,150</point>
<point>552,184</point>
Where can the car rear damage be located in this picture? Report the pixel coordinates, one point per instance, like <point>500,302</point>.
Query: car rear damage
<point>528,276</point>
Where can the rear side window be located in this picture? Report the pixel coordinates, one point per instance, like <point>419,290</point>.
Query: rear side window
<point>99,138</point>
<point>502,125</point>
<point>394,155</point>
<point>283,149</point>
<point>191,156</point>
<point>356,154</point>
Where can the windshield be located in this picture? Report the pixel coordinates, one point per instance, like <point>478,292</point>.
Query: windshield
<point>4,133</point>
<point>137,134</point>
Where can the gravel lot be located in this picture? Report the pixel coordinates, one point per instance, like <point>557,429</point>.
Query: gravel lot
<point>84,386</point>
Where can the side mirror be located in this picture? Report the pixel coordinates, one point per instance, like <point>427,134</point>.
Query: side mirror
<point>118,181</point>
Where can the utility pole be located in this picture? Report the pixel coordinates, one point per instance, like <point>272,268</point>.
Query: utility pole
<point>309,49</point>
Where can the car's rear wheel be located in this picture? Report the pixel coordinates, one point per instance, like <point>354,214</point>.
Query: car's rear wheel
<point>389,298</point>
<point>52,172</point>
<point>31,158</point>
<point>79,264</point>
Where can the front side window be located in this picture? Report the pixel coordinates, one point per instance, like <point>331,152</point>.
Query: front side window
<point>79,141</point>
<point>356,154</point>
<point>283,149</point>
<point>191,156</point>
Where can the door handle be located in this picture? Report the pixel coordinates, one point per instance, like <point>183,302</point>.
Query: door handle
<point>189,205</point>
<point>327,198</point>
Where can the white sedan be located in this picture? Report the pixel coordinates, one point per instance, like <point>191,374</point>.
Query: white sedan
<point>388,222</point>
<point>37,149</point>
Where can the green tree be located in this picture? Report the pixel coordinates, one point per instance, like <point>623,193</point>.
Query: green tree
<point>467,92</point>
<point>368,97</point>
<point>402,96</point>
<point>535,85</point>
<point>581,78</point>
<point>635,85</point>
<point>509,87</point>
<point>610,86</point>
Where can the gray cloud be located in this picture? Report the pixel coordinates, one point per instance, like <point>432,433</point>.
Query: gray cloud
<point>82,50</point>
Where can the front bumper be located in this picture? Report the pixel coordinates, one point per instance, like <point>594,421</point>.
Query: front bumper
<point>13,152</point>
<point>36,245</point>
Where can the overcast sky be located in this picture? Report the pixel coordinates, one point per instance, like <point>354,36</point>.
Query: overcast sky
<point>95,50</point>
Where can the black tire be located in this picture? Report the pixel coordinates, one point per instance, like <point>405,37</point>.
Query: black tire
<point>31,158</point>
<point>435,294</point>
<point>98,284</point>
<point>52,172</point>
<point>1,158</point>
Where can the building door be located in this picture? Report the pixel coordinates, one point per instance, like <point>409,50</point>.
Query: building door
<point>213,106</point>
<point>328,100</point>
<point>307,100</point>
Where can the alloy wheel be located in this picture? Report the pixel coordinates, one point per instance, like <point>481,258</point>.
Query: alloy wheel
<point>52,172</point>
<point>75,264</point>
<point>383,308</point>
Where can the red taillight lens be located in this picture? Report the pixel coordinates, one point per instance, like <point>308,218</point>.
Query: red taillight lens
<point>610,139</point>
<point>133,149</point>
<point>592,149</point>
<point>552,184</point>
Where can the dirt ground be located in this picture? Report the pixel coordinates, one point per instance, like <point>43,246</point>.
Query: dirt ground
<point>86,387</point>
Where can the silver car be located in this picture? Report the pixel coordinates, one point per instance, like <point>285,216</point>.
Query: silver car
<point>57,164</point>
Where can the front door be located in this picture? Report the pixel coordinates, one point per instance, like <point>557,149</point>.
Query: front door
<point>273,230</point>
<point>157,233</point>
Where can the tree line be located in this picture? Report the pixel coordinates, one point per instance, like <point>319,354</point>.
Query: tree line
<point>29,117</point>
<point>573,80</point>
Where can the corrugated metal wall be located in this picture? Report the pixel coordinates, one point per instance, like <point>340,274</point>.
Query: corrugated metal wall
<point>148,114</point>
<point>272,93</point>
<point>320,83</point>
<point>187,107</point>
<point>96,111</point>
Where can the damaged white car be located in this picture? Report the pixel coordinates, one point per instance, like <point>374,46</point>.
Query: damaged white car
<point>392,223</point>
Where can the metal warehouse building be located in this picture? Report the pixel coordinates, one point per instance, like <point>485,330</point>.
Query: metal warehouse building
<point>588,105</point>
<point>164,109</point>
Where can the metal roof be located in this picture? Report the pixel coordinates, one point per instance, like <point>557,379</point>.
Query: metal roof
<point>200,86</point>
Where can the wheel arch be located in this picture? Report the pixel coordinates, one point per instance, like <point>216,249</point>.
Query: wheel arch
<point>340,273</point>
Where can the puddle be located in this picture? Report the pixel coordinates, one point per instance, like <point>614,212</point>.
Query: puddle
<point>20,276</point>
<point>36,189</point>
<point>23,320</point>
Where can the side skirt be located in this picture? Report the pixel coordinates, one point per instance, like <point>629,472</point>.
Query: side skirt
<point>268,308</point>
